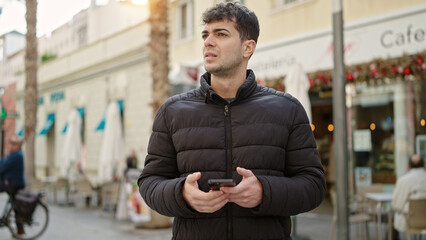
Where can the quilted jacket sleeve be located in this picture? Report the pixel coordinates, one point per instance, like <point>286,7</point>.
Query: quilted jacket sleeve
<point>303,186</point>
<point>159,183</point>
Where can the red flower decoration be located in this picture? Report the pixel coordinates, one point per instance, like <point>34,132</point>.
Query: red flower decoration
<point>419,61</point>
<point>374,72</point>
<point>394,69</point>
<point>406,71</point>
<point>322,78</point>
<point>349,77</point>
<point>311,83</point>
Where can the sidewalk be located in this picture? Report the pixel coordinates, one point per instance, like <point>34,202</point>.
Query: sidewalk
<point>314,225</point>
<point>70,223</point>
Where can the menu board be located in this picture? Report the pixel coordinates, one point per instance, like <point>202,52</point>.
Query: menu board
<point>362,140</point>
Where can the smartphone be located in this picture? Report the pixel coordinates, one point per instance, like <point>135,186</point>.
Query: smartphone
<point>215,184</point>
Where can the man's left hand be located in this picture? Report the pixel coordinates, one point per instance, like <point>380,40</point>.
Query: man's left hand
<point>248,193</point>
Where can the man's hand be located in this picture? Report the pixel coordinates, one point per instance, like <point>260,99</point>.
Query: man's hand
<point>248,193</point>
<point>201,201</point>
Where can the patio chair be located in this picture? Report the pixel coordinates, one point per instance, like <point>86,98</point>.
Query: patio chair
<point>82,189</point>
<point>356,218</point>
<point>61,186</point>
<point>416,219</point>
<point>109,195</point>
<point>368,206</point>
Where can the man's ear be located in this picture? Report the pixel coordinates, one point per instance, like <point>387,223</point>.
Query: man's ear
<point>248,48</point>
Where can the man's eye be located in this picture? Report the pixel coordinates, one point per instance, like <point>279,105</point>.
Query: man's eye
<point>221,34</point>
<point>204,36</point>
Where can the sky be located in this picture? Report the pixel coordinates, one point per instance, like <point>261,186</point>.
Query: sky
<point>51,14</point>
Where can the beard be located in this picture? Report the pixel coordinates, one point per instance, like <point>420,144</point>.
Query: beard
<point>225,68</point>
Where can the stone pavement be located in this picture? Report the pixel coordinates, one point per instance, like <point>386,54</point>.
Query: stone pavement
<point>80,223</point>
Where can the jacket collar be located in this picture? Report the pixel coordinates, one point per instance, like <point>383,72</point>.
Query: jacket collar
<point>245,90</point>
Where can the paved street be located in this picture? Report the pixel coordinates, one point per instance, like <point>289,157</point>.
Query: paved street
<point>71,223</point>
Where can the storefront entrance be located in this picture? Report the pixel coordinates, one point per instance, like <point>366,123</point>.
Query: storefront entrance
<point>373,140</point>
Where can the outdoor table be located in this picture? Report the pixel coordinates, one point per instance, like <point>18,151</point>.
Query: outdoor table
<point>381,198</point>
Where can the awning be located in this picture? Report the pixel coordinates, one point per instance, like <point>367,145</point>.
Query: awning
<point>81,112</point>
<point>101,125</point>
<point>48,124</point>
<point>20,134</point>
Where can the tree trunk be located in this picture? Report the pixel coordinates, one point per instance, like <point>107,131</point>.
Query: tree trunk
<point>159,56</point>
<point>159,52</point>
<point>31,61</point>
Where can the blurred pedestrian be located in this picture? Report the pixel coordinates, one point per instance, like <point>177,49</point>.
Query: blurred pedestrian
<point>411,184</point>
<point>231,127</point>
<point>132,160</point>
<point>12,172</point>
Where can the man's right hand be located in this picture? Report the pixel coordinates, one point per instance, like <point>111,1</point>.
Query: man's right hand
<point>203,202</point>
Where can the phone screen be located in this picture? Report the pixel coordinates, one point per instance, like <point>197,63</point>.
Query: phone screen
<point>215,184</point>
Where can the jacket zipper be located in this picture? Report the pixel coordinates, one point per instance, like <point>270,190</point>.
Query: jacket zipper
<point>228,142</point>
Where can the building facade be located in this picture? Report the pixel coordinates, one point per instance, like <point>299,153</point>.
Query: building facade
<point>96,63</point>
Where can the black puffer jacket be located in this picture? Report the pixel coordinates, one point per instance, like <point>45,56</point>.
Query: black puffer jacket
<point>263,130</point>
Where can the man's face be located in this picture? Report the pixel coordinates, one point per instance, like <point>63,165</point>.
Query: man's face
<point>222,48</point>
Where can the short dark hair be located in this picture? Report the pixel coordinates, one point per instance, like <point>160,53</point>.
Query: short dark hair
<point>416,164</point>
<point>245,20</point>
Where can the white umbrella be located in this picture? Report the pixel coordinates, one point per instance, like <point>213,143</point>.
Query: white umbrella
<point>297,84</point>
<point>111,159</point>
<point>71,152</point>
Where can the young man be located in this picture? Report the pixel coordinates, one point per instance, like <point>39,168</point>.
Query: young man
<point>231,128</point>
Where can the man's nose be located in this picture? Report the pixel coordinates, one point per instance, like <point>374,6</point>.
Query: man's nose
<point>209,41</point>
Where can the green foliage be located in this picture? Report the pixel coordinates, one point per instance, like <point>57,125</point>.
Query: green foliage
<point>48,56</point>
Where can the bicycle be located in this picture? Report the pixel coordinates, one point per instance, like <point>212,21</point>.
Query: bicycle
<point>34,226</point>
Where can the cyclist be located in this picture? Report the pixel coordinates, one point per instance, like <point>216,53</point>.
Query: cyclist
<point>12,176</point>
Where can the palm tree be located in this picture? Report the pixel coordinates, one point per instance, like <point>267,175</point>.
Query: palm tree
<point>159,52</point>
<point>31,57</point>
<point>159,56</point>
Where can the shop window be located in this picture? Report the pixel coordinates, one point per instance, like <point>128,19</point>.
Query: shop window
<point>184,20</point>
<point>419,107</point>
<point>421,145</point>
<point>322,118</point>
<point>420,117</point>
<point>374,142</point>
